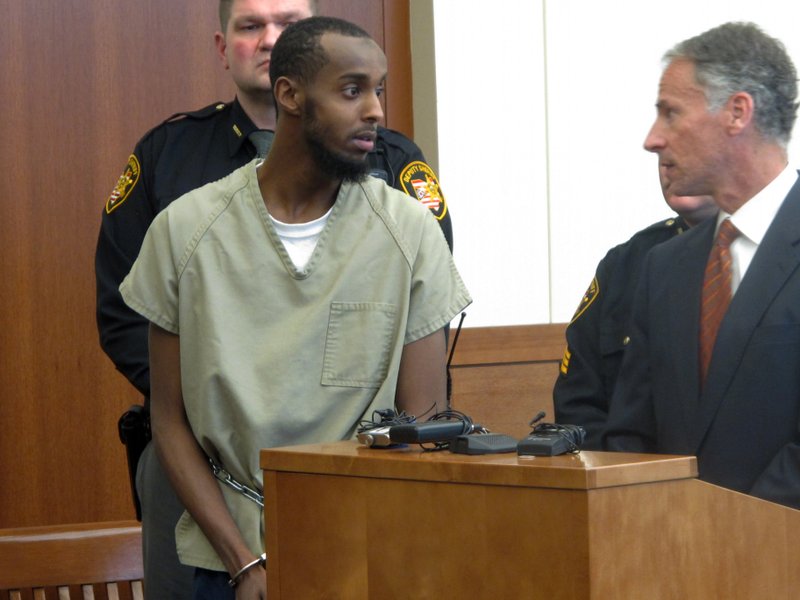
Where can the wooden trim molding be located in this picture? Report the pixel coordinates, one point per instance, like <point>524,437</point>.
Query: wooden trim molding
<point>397,45</point>
<point>509,344</point>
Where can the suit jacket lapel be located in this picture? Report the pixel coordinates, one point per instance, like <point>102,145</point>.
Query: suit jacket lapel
<point>776,259</point>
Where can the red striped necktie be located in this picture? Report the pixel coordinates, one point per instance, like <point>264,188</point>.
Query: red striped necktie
<point>716,292</point>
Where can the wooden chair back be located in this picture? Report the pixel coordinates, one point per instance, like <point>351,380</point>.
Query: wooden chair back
<point>72,562</point>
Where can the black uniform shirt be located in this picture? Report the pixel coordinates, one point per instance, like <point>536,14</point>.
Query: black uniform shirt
<point>597,334</point>
<point>185,152</point>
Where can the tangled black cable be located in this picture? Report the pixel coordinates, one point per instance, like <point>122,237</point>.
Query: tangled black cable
<point>572,434</point>
<point>384,418</point>
<point>453,415</point>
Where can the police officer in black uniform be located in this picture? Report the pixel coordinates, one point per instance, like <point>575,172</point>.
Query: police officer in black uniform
<point>597,333</point>
<point>184,152</point>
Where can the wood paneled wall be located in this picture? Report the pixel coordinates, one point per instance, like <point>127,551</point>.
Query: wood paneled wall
<point>81,82</point>
<point>503,376</point>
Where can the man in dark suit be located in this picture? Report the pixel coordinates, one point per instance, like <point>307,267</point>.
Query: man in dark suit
<point>598,334</point>
<point>731,396</point>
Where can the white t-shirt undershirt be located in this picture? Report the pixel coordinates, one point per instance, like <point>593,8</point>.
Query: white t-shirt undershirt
<point>300,239</point>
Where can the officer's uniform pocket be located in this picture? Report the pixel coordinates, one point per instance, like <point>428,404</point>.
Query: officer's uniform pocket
<point>359,343</point>
<point>612,342</point>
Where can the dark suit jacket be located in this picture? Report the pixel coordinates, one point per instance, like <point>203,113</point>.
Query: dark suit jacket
<point>743,426</point>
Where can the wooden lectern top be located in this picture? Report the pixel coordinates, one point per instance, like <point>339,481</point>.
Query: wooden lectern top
<point>584,471</point>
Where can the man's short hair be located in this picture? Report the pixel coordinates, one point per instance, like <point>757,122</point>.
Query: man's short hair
<point>224,14</point>
<point>225,7</point>
<point>299,54</point>
<point>740,57</point>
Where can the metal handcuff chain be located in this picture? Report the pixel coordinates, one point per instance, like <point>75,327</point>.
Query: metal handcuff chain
<point>226,478</point>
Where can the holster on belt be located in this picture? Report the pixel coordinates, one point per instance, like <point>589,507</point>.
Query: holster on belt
<point>134,433</point>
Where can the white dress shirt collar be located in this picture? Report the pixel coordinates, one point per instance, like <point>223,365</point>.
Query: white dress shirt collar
<point>754,218</point>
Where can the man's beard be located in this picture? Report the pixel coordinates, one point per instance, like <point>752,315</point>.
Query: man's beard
<point>329,162</point>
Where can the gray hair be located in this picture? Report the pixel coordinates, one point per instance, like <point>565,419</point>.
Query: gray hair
<point>740,57</point>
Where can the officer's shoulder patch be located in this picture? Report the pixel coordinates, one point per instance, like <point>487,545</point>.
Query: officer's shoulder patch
<point>589,296</point>
<point>420,182</point>
<point>125,184</point>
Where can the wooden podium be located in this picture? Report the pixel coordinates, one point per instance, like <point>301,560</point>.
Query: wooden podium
<point>346,521</point>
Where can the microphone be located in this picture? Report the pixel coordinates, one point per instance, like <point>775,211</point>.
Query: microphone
<point>450,359</point>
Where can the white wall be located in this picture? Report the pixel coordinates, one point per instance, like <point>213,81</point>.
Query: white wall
<point>542,108</point>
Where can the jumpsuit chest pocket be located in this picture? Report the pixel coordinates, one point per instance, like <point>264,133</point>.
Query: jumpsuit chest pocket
<point>359,343</point>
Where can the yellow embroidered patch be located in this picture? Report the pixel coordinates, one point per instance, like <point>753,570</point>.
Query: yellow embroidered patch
<point>420,182</point>
<point>565,361</point>
<point>591,293</point>
<point>125,185</point>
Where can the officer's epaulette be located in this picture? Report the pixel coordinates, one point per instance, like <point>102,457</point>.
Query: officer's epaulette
<point>675,224</point>
<point>660,231</point>
<point>390,137</point>
<point>200,114</point>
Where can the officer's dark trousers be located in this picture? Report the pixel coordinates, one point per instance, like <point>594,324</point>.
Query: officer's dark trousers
<point>165,578</point>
